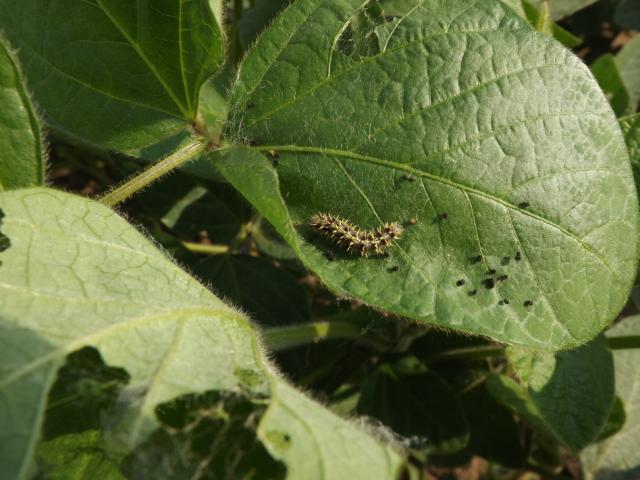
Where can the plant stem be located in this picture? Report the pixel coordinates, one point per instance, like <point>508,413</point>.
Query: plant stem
<point>282,338</point>
<point>469,353</point>
<point>207,249</point>
<point>154,172</point>
<point>626,342</point>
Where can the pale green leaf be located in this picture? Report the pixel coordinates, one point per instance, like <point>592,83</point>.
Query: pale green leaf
<point>75,275</point>
<point>465,111</point>
<point>618,457</point>
<point>607,73</point>
<point>118,73</point>
<point>563,8</point>
<point>22,158</point>
<point>628,62</point>
<point>631,129</point>
<point>573,391</point>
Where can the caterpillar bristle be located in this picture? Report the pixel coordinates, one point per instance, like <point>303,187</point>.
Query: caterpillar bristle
<point>352,238</point>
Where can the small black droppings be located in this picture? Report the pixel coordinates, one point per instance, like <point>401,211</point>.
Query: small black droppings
<point>518,256</point>
<point>250,105</point>
<point>395,268</point>
<point>524,205</point>
<point>253,143</point>
<point>528,303</point>
<point>443,216</point>
<point>389,18</point>
<point>330,256</point>
<point>489,283</point>
<point>501,302</point>
<point>476,259</point>
<point>502,278</point>
<point>473,292</point>
<point>460,282</point>
<point>506,301</point>
<point>491,271</point>
<point>408,177</point>
<point>275,162</point>
<point>505,261</point>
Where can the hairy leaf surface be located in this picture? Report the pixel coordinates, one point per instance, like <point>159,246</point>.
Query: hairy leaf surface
<point>77,275</point>
<point>482,137</point>
<point>21,154</point>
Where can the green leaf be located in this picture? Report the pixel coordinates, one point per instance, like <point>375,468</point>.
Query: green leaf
<point>618,458</point>
<point>268,294</point>
<point>421,408</point>
<point>269,242</point>
<point>568,395</point>
<point>430,126</point>
<point>254,21</point>
<point>627,14</point>
<point>22,158</point>
<point>628,62</point>
<point>78,456</point>
<point>541,20</point>
<point>118,73</point>
<point>605,69</point>
<point>76,275</point>
<point>615,421</point>
<point>563,8</point>
<point>206,436</point>
<point>631,129</point>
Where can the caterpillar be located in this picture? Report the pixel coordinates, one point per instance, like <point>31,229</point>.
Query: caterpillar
<point>348,236</point>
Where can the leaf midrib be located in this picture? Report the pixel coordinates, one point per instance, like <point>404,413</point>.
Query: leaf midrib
<point>113,329</point>
<point>184,109</point>
<point>442,180</point>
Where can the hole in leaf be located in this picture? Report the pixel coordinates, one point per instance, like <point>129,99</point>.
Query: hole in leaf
<point>206,436</point>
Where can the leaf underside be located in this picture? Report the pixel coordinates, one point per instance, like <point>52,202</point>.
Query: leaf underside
<point>74,274</point>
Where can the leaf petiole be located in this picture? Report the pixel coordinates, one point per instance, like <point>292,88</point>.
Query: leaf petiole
<point>154,172</point>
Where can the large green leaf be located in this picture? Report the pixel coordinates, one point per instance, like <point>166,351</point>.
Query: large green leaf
<point>631,129</point>
<point>465,111</point>
<point>572,392</point>
<point>21,155</point>
<point>628,62</point>
<point>120,73</point>
<point>618,457</point>
<point>75,275</point>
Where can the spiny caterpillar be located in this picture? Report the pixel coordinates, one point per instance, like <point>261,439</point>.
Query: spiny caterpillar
<point>346,235</point>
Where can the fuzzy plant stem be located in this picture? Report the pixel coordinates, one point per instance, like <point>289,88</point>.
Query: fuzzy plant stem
<point>154,172</point>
